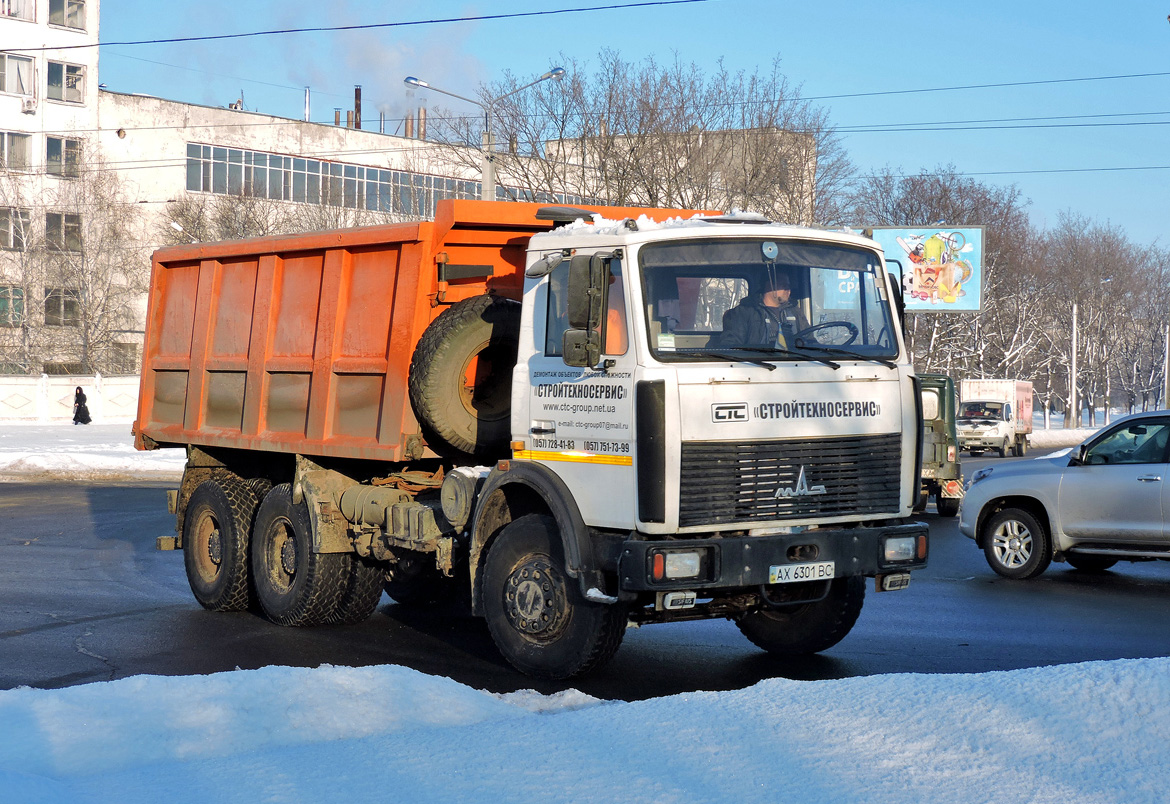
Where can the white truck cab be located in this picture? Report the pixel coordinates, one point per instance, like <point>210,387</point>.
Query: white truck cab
<point>721,449</point>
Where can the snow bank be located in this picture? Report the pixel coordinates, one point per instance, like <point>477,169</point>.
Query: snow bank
<point>1093,732</point>
<point>81,452</point>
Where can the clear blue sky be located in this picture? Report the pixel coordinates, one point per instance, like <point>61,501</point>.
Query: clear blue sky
<point>828,48</point>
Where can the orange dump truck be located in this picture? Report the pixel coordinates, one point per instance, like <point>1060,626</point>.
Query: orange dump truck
<point>569,420</point>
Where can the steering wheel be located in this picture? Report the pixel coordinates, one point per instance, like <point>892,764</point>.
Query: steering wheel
<point>846,325</point>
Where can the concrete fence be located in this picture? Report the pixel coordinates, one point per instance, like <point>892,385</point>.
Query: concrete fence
<point>50,399</point>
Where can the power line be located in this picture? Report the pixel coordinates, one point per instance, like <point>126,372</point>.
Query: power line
<point>1038,171</point>
<point>368,26</point>
<point>1000,120</point>
<point>1002,85</point>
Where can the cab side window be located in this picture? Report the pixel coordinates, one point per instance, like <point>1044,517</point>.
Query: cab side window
<point>614,330</point>
<point>557,315</point>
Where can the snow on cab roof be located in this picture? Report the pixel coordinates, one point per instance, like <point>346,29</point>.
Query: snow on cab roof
<point>600,225</point>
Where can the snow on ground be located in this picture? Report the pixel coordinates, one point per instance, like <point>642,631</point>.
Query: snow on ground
<point>1093,732</point>
<point>67,451</point>
<point>1087,733</point>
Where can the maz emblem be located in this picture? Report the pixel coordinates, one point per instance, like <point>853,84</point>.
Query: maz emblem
<point>801,489</point>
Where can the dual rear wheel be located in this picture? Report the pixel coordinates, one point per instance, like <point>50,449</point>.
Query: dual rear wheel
<point>240,550</point>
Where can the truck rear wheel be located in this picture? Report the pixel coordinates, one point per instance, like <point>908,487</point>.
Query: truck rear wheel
<point>947,506</point>
<point>294,585</point>
<point>363,590</point>
<point>537,615</point>
<point>215,542</point>
<point>810,628</point>
<point>461,377</point>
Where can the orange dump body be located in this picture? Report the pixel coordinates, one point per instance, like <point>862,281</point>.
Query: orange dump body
<point>303,343</point>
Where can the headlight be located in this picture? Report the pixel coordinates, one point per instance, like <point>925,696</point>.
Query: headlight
<point>900,548</point>
<point>678,564</point>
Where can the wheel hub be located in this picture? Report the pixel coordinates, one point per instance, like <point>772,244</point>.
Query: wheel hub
<point>535,601</point>
<point>215,547</point>
<point>288,557</point>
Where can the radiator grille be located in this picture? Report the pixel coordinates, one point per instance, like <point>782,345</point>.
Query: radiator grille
<point>752,481</point>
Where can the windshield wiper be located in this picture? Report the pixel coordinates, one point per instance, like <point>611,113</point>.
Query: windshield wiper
<point>833,350</point>
<point>758,361</point>
<point>778,350</point>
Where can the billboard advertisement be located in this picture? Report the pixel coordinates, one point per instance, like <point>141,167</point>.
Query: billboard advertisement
<point>942,267</point>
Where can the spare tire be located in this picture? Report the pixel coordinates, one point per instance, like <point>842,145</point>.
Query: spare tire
<point>461,378</point>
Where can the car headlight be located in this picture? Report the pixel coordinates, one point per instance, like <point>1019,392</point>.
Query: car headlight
<point>983,473</point>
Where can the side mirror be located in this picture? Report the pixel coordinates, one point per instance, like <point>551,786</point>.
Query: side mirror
<point>588,294</point>
<point>1078,458</point>
<point>588,287</point>
<point>544,266</point>
<point>581,347</point>
<point>899,299</point>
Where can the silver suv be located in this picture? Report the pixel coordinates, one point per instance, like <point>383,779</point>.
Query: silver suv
<point>1091,506</point>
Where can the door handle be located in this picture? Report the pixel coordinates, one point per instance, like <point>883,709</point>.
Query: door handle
<point>1150,479</point>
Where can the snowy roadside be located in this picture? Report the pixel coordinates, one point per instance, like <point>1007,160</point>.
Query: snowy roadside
<point>1086,733</point>
<point>65,451</point>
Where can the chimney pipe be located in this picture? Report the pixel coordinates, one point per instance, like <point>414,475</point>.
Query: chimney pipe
<point>409,133</point>
<point>307,118</point>
<point>357,106</point>
<point>336,116</point>
<point>349,119</point>
<point>422,122</point>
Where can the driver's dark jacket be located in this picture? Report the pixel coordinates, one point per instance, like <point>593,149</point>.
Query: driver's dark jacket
<point>753,323</point>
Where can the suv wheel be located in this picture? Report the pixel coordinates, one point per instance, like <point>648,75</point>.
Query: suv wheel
<point>1016,545</point>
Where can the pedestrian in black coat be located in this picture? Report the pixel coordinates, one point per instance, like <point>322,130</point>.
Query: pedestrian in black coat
<point>80,409</point>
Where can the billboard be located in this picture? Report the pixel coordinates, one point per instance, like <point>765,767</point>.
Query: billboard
<point>942,267</point>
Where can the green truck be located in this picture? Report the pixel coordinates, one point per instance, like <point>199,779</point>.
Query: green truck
<point>942,475</point>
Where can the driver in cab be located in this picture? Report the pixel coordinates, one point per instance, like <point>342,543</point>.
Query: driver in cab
<point>769,318</point>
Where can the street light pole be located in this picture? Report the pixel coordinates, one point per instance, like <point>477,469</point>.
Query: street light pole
<point>1072,377</point>
<point>487,191</point>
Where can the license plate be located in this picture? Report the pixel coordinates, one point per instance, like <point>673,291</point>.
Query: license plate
<point>797,573</point>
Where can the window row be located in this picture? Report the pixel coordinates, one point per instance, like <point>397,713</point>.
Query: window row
<point>64,82</point>
<point>62,307</point>
<point>66,13</point>
<point>234,171</point>
<point>62,230</point>
<point>62,154</point>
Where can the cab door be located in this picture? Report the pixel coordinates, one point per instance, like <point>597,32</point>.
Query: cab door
<point>580,421</point>
<point>1118,493</point>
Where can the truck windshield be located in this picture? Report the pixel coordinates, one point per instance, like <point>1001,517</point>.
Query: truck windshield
<point>981,410</point>
<point>764,299</point>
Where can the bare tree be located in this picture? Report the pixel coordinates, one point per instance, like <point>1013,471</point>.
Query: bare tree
<point>81,270</point>
<point>661,135</point>
<point>205,217</point>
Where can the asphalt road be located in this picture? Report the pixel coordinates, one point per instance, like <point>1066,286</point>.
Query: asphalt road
<point>85,597</point>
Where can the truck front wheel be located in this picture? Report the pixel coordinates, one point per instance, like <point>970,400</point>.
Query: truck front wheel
<point>809,628</point>
<point>537,615</point>
<point>294,585</point>
<point>215,542</point>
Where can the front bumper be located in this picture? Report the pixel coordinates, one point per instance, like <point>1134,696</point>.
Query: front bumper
<point>747,561</point>
<point>984,441</point>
